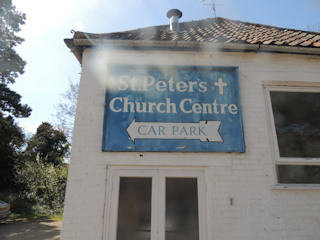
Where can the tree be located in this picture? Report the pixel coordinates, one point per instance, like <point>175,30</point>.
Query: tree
<point>42,184</point>
<point>49,144</point>
<point>11,65</point>
<point>41,175</point>
<point>11,134</point>
<point>10,141</point>
<point>66,111</point>
<point>10,104</point>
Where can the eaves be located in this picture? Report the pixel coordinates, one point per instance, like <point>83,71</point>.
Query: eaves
<point>77,46</point>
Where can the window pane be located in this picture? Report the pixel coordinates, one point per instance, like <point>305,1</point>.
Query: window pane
<point>299,174</point>
<point>134,213</point>
<point>182,209</point>
<point>297,121</point>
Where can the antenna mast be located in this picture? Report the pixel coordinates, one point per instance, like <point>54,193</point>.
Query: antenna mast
<point>212,4</point>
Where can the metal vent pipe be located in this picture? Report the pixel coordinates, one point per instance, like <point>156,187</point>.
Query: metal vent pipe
<point>174,15</point>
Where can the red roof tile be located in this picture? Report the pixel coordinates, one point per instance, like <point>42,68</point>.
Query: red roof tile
<point>211,30</point>
<point>221,29</point>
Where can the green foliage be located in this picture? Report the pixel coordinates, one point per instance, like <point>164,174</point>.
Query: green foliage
<point>17,204</point>
<point>10,141</point>
<point>49,144</point>
<point>10,103</point>
<point>41,175</point>
<point>26,217</point>
<point>43,185</point>
<point>34,180</point>
<point>11,64</point>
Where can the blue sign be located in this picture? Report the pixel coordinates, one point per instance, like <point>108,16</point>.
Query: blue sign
<point>173,108</point>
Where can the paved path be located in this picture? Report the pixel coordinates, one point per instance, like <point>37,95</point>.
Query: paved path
<point>35,230</point>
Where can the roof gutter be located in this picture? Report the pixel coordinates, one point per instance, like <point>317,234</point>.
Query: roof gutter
<point>77,46</point>
<point>76,50</point>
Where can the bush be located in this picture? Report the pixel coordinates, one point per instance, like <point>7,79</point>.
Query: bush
<point>43,185</point>
<point>17,204</point>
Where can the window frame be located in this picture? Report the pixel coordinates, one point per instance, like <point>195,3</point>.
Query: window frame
<point>159,174</point>
<point>285,86</point>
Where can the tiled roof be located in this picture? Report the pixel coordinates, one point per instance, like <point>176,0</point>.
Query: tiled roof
<point>216,33</point>
<point>217,30</point>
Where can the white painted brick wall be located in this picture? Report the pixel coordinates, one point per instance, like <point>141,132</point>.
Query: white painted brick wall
<point>257,211</point>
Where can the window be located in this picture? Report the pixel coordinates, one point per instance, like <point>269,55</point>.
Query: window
<point>156,204</point>
<point>295,117</point>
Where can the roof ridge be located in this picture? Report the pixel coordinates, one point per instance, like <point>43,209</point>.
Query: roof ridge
<point>213,19</point>
<point>215,30</point>
<point>252,23</point>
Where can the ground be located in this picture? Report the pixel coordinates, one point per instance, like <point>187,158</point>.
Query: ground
<point>35,230</point>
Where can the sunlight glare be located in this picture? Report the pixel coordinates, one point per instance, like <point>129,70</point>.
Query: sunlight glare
<point>79,26</point>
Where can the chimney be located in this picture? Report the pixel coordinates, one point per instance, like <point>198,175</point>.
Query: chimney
<point>174,15</point>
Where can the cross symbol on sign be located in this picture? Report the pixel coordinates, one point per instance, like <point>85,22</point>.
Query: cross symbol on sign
<point>220,84</point>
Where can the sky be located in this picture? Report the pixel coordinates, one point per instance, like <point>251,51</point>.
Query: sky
<point>51,65</point>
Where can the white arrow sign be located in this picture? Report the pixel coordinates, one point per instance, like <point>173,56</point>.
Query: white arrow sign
<point>205,131</point>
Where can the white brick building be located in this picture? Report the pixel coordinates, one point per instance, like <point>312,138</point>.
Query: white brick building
<point>271,190</point>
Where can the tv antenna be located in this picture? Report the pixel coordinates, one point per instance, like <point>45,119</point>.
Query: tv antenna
<point>213,5</point>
